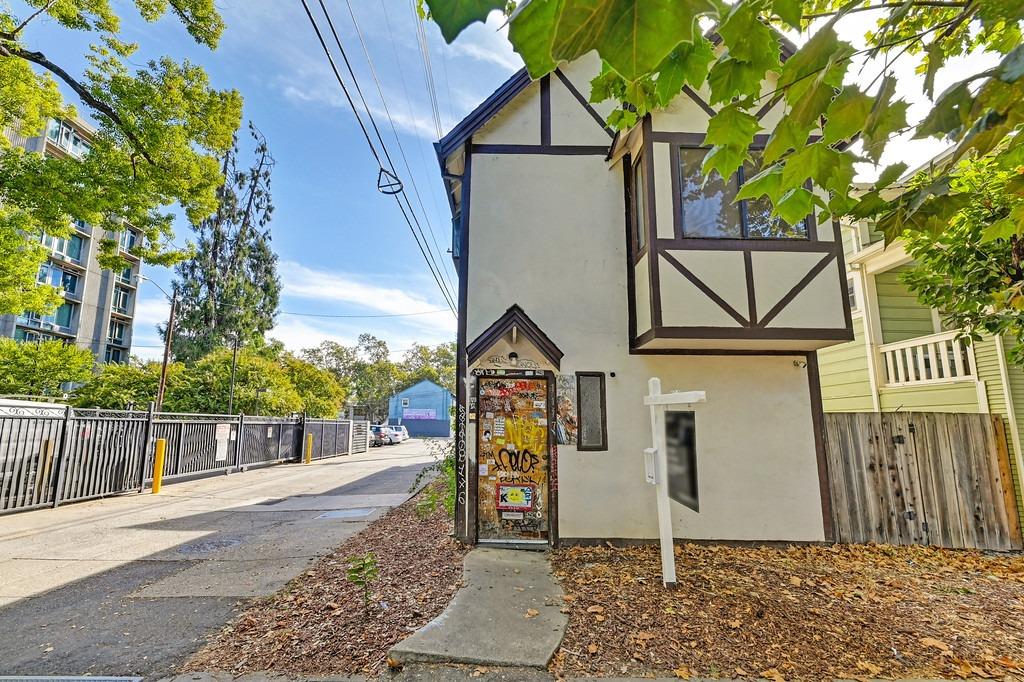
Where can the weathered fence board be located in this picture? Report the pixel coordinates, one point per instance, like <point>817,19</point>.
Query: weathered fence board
<point>54,455</point>
<point>921,478</point>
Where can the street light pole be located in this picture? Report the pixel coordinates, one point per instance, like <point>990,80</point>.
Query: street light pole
<point>168,336</point>
<point>234,366</point>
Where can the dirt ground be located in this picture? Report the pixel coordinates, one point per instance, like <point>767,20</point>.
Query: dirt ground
<point>805,613</point>
<point>317,624</point>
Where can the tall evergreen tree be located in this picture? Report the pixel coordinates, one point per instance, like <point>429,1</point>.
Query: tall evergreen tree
<point>230,288</point>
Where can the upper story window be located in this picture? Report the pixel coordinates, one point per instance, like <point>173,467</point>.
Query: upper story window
<point>70,247</point>
<point>116,331</point>
<point>709,209</point>
<point>67,138</point>
<point>128,239</point>
<point>638,194</point>
<point>121,300</point>
<point>54,276</point>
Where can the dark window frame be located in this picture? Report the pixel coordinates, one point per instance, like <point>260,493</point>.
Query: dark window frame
<point>638,205</point>
<point>739,177</point>
<point>603,446</point>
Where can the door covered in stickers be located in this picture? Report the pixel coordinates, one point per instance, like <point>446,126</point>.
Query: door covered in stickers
<point>512,459</point>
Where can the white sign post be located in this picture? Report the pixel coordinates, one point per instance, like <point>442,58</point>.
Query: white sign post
<point>656,461</point>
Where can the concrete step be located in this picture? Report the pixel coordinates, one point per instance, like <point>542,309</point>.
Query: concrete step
<point>507,614</point>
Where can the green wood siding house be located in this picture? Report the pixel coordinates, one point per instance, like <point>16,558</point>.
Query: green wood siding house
<point>904,358</point>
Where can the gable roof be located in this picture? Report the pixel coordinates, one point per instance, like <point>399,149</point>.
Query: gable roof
<point>476,119</point>
<point>514,317</point>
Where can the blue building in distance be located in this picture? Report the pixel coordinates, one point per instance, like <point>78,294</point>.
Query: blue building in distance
<point>424,409</point>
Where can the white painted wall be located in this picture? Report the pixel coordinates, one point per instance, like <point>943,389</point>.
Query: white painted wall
<point>547,232</point>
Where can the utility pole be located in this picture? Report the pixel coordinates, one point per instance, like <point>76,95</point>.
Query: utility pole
<point>234,366</point>
<point>168,336</point>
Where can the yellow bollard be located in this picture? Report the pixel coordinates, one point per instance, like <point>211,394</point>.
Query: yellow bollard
<point>309,448</point>
<point>158,464</point>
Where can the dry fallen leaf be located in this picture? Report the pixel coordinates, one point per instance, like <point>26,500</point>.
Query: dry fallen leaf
<point>592,648</point>
<point>773,674</point>
<point>599,618</point>
<point>595,609</point>
<point>795,581</point>
<point>869,668</point>
<point>934,644</point>
<point>531,613</point>
<point>734,624</point>
<point>682,672</point>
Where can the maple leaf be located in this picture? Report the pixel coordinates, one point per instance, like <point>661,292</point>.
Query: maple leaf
<point>532,613</point>
<point>682,672</point>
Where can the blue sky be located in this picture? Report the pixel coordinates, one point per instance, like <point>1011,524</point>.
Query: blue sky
<point>344,248</point>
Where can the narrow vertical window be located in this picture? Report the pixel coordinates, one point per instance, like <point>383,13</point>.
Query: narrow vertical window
<point>639,206</point>
<point>681,455</point>
<point>592,415</point>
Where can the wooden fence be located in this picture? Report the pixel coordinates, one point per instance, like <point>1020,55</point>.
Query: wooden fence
<point>921,478</point>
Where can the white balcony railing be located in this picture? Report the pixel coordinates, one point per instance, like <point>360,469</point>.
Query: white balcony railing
<point>938,358</point>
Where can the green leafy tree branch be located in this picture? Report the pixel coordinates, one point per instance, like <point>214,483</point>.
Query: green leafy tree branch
<point>160,130</point>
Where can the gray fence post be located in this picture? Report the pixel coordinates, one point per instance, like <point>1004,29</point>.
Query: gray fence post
<point>62,457</point>
<point>147,436</point>
<point>238,441</point>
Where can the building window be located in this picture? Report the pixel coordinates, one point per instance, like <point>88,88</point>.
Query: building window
<point>54,276</point>
<point>405,402</point>
<point>30,336</point>
<point>128,239</point>
<point>64,315</point>
<point>122,299</point>
<point>126,275</point>
<point>639,200</point>
<point>70,247</point>
<point>116,331</point>
<point>592,414</point>
<point>709,210</point>
<point>851,292</point>
<point>115,355</point>
<point>681,456</point>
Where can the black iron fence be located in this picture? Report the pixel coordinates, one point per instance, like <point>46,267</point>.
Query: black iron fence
<point>52,455</point>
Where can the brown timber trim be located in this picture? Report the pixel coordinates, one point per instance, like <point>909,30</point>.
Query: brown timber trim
<point>689,139</point>
<point>716,351</point>
<point>652,223</point>
<point>465,527</point>
<point>631,205</point>
<point>818,421</point>
<point>542,149</point>
<point>604,414</point>
<point>731,244</point>
<point>750,333</point>
<point>545,111</point>
<point>763,111</point>
<point>630,263</point>
<point>689,92</point>
<point>841,259</point>
<point>552,461</point>
<point>748,275</point>
<point>584,103</point>
<point>797,288</point>
<point>513,317</point>
<point>708,291</point>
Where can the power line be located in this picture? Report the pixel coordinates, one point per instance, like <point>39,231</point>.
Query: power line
<point>398,141</point>
<point>341,82</point>
<point>401,192</point>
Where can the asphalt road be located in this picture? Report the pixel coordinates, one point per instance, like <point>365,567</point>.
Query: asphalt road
<point>133,585</point>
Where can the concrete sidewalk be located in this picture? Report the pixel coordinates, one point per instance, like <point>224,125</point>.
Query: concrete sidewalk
<point>508,613</point>
<point>134,584</point>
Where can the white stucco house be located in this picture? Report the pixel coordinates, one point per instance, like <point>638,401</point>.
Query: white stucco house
<point>590,262</point>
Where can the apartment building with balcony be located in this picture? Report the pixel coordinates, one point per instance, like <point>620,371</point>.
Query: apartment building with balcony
<point>905,357</point>
<point>99,304</point>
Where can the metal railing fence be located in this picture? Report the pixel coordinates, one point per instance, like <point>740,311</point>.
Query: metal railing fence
<point>52,455</point>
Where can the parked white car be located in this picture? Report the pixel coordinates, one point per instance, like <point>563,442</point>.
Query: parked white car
<point>402,432</point>
<point>391,434</point>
